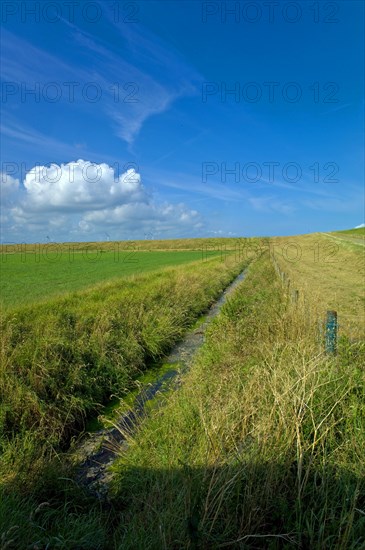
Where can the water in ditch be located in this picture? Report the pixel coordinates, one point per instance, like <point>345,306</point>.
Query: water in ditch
<point>97,451</point>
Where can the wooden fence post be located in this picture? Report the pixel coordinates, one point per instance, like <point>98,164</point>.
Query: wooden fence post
<point>331,332</point>
<point>295,296</point>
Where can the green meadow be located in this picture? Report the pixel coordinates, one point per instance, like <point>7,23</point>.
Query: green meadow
<point>38,275</point>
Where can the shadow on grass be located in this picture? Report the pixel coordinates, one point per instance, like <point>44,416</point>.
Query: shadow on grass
<point>242,505</point>
<point>247,505</point>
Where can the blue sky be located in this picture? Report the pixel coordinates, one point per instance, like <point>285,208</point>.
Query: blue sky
<point>166,119</point>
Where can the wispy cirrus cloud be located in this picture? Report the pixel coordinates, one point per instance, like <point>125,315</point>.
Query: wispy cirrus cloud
<point>146,91</point>
<point>272,204</point>
<point>20,133</point>
<point>130,91</point>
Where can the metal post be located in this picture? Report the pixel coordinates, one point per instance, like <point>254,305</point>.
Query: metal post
<point>331,332</point>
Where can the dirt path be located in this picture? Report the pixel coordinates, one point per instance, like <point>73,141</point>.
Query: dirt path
<point>351,240</point>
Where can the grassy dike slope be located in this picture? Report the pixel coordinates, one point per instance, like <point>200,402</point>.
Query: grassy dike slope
<point>261,447</point>
<point>60,360</point>
<point>329,274</point>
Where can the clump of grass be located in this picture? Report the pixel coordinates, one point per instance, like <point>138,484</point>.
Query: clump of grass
<point>262,447</point>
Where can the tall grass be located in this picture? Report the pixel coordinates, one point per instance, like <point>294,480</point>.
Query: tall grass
<point>262,447</point>
<point>61,360</point>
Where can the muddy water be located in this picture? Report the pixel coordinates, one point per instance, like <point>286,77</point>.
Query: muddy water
<point>97,452</point>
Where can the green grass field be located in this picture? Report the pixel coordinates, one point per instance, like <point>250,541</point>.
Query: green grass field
<point>260,447</point>
<point>31,277</point>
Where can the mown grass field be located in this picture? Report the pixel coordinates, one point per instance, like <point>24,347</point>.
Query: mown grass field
<point>31,277</point>
<point>34,272</point>
<point>260,447</point>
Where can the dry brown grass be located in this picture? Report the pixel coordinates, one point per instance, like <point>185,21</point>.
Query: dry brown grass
<point>329,274</point>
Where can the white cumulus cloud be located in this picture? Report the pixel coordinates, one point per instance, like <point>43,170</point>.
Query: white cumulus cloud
<point>82,200</point>
<point>79,186</point>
